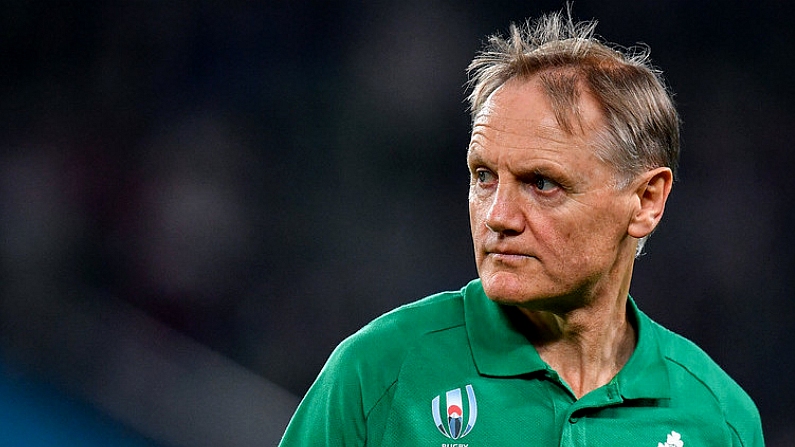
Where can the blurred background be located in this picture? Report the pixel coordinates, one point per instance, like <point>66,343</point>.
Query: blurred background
<point>199,200</point>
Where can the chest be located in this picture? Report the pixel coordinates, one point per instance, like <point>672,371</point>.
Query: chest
<point>473,411</point>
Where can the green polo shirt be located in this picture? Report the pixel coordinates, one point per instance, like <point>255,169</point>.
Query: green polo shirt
<point>453,370</point>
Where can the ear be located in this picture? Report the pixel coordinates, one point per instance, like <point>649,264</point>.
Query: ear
<point>651,194</point>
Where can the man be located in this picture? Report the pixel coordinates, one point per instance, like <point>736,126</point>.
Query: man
<point>572,157</point>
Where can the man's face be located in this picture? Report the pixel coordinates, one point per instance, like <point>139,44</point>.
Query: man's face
<point>548,224</point>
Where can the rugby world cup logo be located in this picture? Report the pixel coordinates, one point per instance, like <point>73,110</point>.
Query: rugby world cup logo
<point>453,426</point>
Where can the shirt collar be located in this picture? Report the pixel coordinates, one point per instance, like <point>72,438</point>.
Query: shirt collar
<point>646,373</point>
<point>500,349</point>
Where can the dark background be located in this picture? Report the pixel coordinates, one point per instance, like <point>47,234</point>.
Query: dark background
<point>199,200</point>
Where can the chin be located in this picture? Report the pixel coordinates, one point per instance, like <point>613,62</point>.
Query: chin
<point>513,290</point>
<point>506,288</point>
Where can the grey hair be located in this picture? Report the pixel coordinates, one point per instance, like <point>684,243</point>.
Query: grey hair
<point>642,130</point>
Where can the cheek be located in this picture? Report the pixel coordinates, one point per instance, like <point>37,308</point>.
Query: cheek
<point>479,236</point>
<point>567,242</point>
<point>475,216</point>
<point>586,240</point>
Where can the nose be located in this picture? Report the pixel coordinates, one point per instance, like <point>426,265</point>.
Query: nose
<point>504,214</point>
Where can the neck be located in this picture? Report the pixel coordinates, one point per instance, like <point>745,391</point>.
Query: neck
<point>586,352</point>
<point>587,346</point>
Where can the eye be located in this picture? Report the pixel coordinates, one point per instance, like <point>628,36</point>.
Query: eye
<point>544,184</point>
<point>484,176</point>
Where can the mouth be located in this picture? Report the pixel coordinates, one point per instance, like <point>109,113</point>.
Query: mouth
<point>501,255</point>
<point>507,256</point>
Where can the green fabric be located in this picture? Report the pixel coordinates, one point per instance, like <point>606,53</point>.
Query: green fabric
<point>378,386</point>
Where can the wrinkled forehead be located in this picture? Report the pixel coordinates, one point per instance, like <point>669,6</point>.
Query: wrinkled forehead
<point>557,101</point>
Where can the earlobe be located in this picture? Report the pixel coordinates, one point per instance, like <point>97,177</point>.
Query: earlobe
<point>651,194</point>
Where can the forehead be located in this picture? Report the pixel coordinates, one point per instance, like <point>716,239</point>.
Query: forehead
<point>553,101</point>
<point>520,113</point>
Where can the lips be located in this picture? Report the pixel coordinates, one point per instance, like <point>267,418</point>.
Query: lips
<point>503,249</point>
<point>505,257</point>
<point>507,254</point>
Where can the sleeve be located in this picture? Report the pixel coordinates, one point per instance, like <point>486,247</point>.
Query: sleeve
<point>747,431</point>
<point>745,422</point>
<point>332,412</point>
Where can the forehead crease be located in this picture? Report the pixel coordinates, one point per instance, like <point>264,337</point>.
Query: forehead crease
<point>535,99</point>
<point>523,134</point>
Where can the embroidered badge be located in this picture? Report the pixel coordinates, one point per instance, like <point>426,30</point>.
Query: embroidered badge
<point>454,427</point>
<point>674,440</point>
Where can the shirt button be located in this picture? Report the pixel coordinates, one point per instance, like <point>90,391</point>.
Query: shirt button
<point>574,419</point>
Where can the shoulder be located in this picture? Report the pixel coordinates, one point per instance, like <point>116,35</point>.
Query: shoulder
<point>363,370</point>
<point>372,357</point>
<point>433,313</point>
<point>400,328</point>
<point>692,369</point>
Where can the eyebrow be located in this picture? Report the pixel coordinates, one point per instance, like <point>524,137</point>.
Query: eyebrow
<point>475,157</point>
<point>474,154</point>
